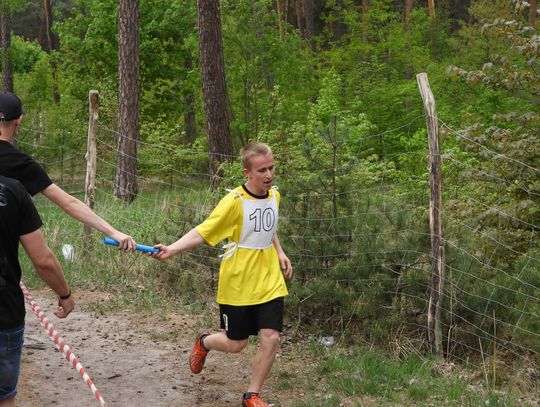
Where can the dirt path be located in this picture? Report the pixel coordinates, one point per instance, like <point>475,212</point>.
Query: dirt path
<point>133,359</point>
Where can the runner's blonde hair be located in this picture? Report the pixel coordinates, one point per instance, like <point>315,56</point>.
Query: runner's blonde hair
<point>251,150</point>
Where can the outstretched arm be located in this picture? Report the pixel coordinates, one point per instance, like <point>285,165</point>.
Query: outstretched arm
<point>189,241</point>
<point>284,261</point>
<point>78,210</point>
<point>48,269</point>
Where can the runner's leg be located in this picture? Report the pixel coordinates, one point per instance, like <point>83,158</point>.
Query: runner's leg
<point>264,358</point>
<point>220,342</point>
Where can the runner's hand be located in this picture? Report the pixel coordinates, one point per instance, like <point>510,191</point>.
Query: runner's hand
<point>163,253</point>
<point>125,242</point>
<point>66,306</point>
<point>286,266</point>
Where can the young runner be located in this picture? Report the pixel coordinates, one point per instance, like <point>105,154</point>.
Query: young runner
<point>251,287</point>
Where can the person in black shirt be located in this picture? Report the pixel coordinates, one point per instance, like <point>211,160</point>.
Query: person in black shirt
<point>20,222</point>
<point>16,164</point>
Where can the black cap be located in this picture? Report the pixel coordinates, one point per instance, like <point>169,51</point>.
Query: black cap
<point>10,107</point>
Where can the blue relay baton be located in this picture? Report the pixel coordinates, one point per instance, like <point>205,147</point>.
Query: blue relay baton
<point>139,247</point>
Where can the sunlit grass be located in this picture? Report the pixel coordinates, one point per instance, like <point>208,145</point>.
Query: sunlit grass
<point>360,377</point>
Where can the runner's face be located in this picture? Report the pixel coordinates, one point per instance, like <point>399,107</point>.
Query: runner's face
<point>260,174</point>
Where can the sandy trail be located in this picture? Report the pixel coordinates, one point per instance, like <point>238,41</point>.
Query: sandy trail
<point>128,360</point>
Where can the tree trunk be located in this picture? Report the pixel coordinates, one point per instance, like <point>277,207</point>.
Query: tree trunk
<point>310,24</point>
<point>52,40</point>
<point>532,13</point>
<point>7,80</point>
<point>125,184</point>
<point>214,85</point>
<point>470,18</point>
<point>52,43</point>
<point>431,8</point>
<point>434,26</point>
<point>280,16</point>
<point>338,27</point>
<point>409,4</point>
<point>365,20</point>
<point>287,7</point>
<point>300,16</point>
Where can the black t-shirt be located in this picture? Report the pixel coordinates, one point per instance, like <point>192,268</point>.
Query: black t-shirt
<point>18,165</point>
<point>18,216</point>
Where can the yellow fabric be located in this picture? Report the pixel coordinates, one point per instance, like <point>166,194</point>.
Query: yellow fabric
<point>249,276</point>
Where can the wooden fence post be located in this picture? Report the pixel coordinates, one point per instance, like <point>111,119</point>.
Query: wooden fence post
<point>435,223</point>
<point>90,182</point>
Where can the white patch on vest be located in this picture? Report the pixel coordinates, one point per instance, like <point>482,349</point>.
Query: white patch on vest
<point>259,225</point>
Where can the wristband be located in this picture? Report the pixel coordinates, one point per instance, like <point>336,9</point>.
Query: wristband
<point>65,297</point>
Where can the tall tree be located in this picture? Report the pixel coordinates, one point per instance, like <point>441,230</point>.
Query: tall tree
<point>431,8</point>
<point>125,184</point>
<point>365,20</point>
<point>409,4</point>
<point>431,12</point>
<point>310,22</point>
<point>7,79</point>
<point>216,103</point>
<point>52,45</point>
<point>286,19</point>
<point>300,15</point>
<point>52,42</point>
<point>280,17</point>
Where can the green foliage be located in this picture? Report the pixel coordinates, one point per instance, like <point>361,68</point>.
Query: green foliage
<point>266,90</point>
<point>24,55</point>
<point>89,55</point>
<point>40,80</point>
<point>161,135</point>
<point>502,199</point>
<point>88,39</point>
<point>12,5</point>
<point>378,58</point>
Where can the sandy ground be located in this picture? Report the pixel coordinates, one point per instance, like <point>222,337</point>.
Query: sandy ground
<point>133,359</point>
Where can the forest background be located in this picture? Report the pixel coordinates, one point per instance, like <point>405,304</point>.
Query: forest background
<point>331,85</point>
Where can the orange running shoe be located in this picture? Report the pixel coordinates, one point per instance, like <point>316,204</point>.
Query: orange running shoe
<point>198,354</point>
<point>255,401</point>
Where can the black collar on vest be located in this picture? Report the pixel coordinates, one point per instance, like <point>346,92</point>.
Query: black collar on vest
<point>255,196</point>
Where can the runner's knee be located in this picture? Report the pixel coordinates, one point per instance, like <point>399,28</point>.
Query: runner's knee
<point>269,338</point>
<point>236,346</point>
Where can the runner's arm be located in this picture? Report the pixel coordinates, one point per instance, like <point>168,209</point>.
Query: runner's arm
<point>284,261</point>
<point>189,241</point>
<point>48,269</point>
<point>79,211</point>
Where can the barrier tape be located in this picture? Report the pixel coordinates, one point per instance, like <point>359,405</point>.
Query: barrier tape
<point>60,343</point>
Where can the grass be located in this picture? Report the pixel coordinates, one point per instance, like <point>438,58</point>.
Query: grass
<point>360,377</point>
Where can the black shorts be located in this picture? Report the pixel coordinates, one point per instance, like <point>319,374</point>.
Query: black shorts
<point>239,322</point>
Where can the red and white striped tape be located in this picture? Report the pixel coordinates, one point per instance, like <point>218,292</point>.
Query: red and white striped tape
<point>60,343</point>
